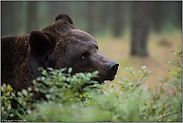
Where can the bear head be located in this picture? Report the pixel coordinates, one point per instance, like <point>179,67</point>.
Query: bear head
<point>61,45</point>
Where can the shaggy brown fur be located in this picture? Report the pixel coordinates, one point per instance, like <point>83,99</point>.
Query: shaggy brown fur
<point>58,45</point>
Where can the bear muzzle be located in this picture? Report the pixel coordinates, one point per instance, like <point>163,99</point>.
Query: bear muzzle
<point>109,73</point>
<point>112,68</point>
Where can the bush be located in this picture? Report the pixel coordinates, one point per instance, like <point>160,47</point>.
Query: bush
<point>68,99</point>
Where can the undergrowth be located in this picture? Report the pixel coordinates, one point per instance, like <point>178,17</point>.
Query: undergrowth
<point>64,98</point>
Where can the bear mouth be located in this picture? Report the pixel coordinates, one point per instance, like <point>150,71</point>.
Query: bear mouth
<point>112,78</point>
<point>101,79</point>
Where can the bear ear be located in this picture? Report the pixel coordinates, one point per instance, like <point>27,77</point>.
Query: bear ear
<point>64,17</point>
<point>39,42</point>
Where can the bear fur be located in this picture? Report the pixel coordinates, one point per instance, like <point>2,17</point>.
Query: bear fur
<point>59,45</point>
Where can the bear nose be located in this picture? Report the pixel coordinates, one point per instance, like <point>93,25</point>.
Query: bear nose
<point>113,67</point>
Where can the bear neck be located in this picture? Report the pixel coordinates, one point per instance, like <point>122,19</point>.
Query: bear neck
<point>20,62</point>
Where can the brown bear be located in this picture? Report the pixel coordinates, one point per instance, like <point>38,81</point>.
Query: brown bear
<point>60,45</point>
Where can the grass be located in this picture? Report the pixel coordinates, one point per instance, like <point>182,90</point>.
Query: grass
<point>159,47</point>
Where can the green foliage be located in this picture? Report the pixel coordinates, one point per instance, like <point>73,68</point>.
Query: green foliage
<point>55,85</point>
<point>24,101</point>
<point>68,100</point>
<point>176,74</point>
<point>61,87</point>
<point>5,101</point>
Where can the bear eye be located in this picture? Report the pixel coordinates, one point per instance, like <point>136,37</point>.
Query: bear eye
<point>84,55</point>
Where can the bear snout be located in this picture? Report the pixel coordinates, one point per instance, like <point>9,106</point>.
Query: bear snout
<point>112,68</point>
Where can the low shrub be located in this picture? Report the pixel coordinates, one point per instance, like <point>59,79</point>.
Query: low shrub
<point>67,99</point>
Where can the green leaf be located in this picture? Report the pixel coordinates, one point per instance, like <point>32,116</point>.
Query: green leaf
<point>139,83</point>
<point>49,68</point>
<point>44,72</point>
<point>24,91</point>
<point>162,90</point>
<point>69,70</point>
<point>169,62</point>
<point>12,94</point>
<point>143,67</point>
<point>94,82</point>
<point>127,69</point>
<point>161,79</point>
<point>95,73</point>
<point>11,115</point>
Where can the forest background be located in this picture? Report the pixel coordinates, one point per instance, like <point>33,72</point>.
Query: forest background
<point>113,24</point>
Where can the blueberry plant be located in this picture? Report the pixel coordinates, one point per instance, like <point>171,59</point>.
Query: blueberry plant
<point>65,98</point>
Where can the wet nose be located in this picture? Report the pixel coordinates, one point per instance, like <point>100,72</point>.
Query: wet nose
<point>113,67</point>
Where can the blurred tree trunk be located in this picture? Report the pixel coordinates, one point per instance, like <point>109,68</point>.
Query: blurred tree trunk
<point>32,19</point>
<point>158,15</point>
<point>54,9</point>
<point>179,14</point>
<point>103,15</point>
<point>118,24</point>
<point>18,19</point>
<point>140,28</point>
<point>7,24</point>
<point>66,7</point>
<point>91,17</point>
<point>4,13</point>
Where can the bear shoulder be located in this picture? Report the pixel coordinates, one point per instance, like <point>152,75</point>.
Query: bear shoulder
<point>10,47</point>
<point>7,51</point>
